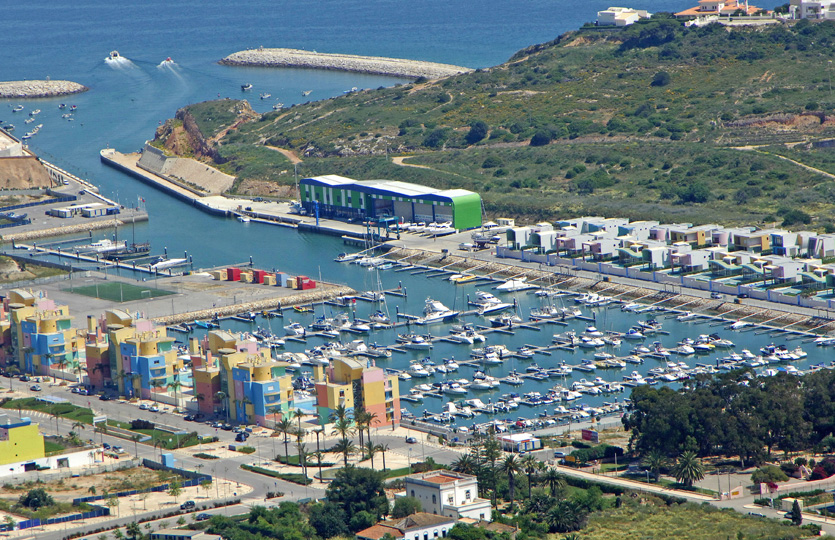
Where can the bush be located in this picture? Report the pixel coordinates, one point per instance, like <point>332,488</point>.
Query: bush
<point>541,138</point>
<point>767,474</point>
<point>246,450</point>
<point>478,131</point>
<point>203,455</point>
<point>795,216</point>
<point>492,162</point>
<point>662,78</point>
<point>36,498</point>
<point>436,138</point>
<point>405,506</point>
<point>141,424</point>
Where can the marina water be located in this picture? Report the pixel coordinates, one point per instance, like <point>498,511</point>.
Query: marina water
<point>127,101</point>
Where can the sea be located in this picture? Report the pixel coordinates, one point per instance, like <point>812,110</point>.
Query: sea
<point>128,100</point>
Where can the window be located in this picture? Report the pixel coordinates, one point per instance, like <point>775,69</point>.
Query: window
<point>443,533</point>
<point>413,493</point>
<point>467,494</point>
<point>450,499</point>
<point>436,533</point>
<point>434,499</point>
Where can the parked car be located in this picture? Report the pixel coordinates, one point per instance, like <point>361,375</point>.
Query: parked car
<point>154,408</point>
<point>202,516</point>
<point>189,418</point>
<point>716,295</point>
<point>143,407</point>
<point>187,505</point>
<point>106,446</point>
<point>742,295</point>
<point>410,440</point>
<point>35,388</point>
<point>104,397</point>
<point>118,449</point>
<point>240,437</point>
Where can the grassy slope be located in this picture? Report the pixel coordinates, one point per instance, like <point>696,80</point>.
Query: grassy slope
<point>643,146</point>
<point>684,522</point>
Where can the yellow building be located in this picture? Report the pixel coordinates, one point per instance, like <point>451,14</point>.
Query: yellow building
<point>356,384</point>
<point>19,441</point>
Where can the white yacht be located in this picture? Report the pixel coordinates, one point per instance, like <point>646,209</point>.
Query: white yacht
<point>295,329</point>
<point>378,317</point>
<point>514,285</point>
<point>468,337</point>
<point>419,371</point>
<point>435,312</point>
<point>414,342</point>
<point>488,303</point>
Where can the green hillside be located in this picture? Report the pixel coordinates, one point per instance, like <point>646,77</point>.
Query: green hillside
<point>641,121</point>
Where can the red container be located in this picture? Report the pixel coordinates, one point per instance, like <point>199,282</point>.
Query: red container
<point>258,276</point>
<point>309,284</point>
<point>233,274</point>
<point>300,282</point>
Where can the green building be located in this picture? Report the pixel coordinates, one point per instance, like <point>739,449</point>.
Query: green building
<point>339,197</point>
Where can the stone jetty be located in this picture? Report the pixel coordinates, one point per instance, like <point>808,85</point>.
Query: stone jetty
<point>377,65</point>
<point>39,89</point>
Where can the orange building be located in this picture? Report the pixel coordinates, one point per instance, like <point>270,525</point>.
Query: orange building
<point>723,8</point>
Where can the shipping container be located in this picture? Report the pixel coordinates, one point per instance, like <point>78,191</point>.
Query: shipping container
<point>291,282</point>
<point>269,279</point>
<point>233,274</point>
<point>258,276</point>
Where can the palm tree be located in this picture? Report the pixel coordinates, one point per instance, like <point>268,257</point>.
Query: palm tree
<point>285,426</point>
<point>299,434</point>
<point>511,467</point>
<point>12,371</point>
<point>530,465</point>
<point>134,531</point>
<point>303,458</point>
<point>465,464</point>
<point>371,449</point>
<point>176,385</point>
<point>221,397</point>
<point>554,481</point>
<point>361,420</point>
<point>383,448</point>
<point>346,448</point>
<point>341,417</point>
<point>688,469</point>
<point>655,461</point>
<point>318,454</point>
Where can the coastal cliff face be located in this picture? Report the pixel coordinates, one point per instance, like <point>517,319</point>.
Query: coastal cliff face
<point>184,136</point>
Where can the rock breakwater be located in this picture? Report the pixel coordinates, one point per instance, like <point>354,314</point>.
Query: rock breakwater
<point>377,65</point>
<point>39,89</point>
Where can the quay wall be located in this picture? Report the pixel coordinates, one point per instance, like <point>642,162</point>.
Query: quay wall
<point>70,229</point>
<point>377,65</point>
<point>326,292</point>
<point>39,89</point>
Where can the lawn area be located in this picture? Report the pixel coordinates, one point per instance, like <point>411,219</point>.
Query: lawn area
<point>655,520</point>
<point>64,410</point>
<point>50,447</point>
<point>169,440</point>
<point>295,478</point>
<point>119,292</point>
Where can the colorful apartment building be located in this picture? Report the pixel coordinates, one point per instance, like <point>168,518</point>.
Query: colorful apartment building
<point>239,379</point>
<point>41,339</point>
<point>134,356</point>
<point>356,384</point>
<point>19,441</point>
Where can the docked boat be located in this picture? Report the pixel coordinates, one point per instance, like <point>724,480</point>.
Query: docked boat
<point>418,371</point>
<point>295,329</point>
<point>378,317</point>
<point>436,312</point>
<point>347,257</point>
<point>163,263</point>
<point>686,316</point>
<point>505,321</point>
<point>514,285</point>
<point>468,337</point>
<point>488,303</point>
<point>414,342</point>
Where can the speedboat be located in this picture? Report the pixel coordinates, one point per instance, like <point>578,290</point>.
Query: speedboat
<point>378,317</point>
<point>347,257</point>
<point>36,112</point>
<point>167,61</point>
<point>417,370</point>
<point>265,95</point>
<point>514,285</point>
<point>686,316</point>
<point>435,312</point>
<point>245,87</point>
<point>295,329</point>
<point>414,342</point>
<point>113,57</point>
<point>505,320</point>
<point>488,303</point>
<point>18,108</point>
<point>633,333</point>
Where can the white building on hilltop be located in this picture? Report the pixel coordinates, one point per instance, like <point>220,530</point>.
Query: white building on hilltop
<point>620,16</point>
<point>813,9</point>
<point>447,493</point>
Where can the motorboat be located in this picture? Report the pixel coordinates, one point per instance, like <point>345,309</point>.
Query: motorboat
<point>514,285</point>
<point>739,325</point>
<point>436,312</point>
<point>488,303</point>
<point>505,321</point>
<point>36,112</point>
<point>306,92</point>
<point>514,379</point>
<point>245,87</point>
<point>295,329</point>
<point>634,333</point>
<point>414,342</point>
<point>374,296</point>
<point>359,327</point>
<point>418,371</point>
<point>686,316</point>
<point>113,57</point>
<point>167,62</point>
<point>404,376</point>
<point>451,364</point>
<point>265,95</point>
<point>468,337</point>
<point>454,388</point>
<point>592,331</point>
<point>18,108</point>
<point>347,257</point>
<point>461,278</point>
<point>378,317</point>
<point>244,219</point>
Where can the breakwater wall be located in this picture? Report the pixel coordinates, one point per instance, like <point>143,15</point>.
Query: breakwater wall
<point>377,65</point>
<point>39,89</point>
<point>70,229</point>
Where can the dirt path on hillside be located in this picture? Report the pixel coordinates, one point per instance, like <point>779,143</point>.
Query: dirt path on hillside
<point>790,160</point>
<point>399,161</point>
<point>289,154</point>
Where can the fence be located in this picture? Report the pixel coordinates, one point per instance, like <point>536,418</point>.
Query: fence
<point>66,198</point>
<point>98,511</point>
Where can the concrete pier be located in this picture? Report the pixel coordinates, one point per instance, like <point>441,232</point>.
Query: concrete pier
<point>377,65</point>
<point>39,89</point>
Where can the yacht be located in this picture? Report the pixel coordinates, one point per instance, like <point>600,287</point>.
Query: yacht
<point>592,331</point>
<point>404,376</point>
<point>686,316</point>
<point>419,371</point>
<point>347,257</point>
<point>265,95</point>
<point>435,312</point>
<point>514,285</point>
<point>488,303</point>
<point>295,329</point>
<point>506,320</point>
<point>451,364</point>
<point>18,108</point>
<point>358,327</point>
<point>414,342</point>
<point>454,388</point>
<point>514,379</point>
<point>634,333</point>
<point>468,337</point>
<point>378,317</point>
